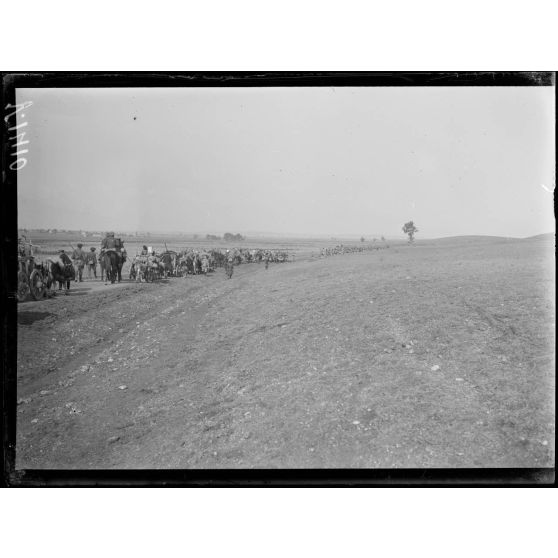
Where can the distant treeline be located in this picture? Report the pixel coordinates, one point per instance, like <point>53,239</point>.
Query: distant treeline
<point>55,231</point>
<point>227,237</point>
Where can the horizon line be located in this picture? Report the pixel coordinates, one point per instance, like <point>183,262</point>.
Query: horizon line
<point>266,234</point>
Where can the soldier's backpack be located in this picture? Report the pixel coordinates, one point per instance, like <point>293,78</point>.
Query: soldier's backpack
<point>109,243</point>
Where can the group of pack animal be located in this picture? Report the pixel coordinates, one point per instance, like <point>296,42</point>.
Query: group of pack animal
<point>148,266</point>
<point>342,249</point>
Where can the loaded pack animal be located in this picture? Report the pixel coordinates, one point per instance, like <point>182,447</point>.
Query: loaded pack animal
<point>138,269</point>
<point>156,267</point>
<point>62,271</point>
<point>168,262</point>
<point>182,265</point>
<point>190,263</point>
<point>113,262</point>
<point>205,265</point>
<point>197,264</point>
<point>146,269</point>
<point>218,257</point>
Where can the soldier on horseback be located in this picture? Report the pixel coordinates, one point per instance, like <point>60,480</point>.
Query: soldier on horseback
<point>109,242</point>
<point>112,257</point>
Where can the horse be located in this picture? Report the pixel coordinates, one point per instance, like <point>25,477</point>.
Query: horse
<point>217,257</point>
<point>196,263</point>
<point>191,264</point>
<point>113,261</point>
<point>154,270</point>
<point>205,265</point>
<point>168,261</point>
<point>62,271</point>
<point>182,265</point>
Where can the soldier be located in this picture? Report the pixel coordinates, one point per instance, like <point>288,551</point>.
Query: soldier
<point>229,266</point>
<point>22,245</point>
<point>91,263</point>
<point>79,262</point>
<point>108,243</point>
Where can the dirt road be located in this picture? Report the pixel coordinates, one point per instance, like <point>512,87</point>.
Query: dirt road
<point>429,356</point>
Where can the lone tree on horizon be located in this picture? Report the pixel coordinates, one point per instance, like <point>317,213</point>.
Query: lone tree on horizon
<point>410,229</point>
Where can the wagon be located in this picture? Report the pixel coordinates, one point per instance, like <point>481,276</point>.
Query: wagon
<point>33,278</point>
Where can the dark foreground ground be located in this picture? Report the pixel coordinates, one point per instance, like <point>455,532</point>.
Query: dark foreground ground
<point>427,356</point>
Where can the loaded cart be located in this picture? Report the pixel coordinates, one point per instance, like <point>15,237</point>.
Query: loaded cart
<point>33,277</point>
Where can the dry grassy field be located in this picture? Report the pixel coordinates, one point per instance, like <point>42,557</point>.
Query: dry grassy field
<point>434,355</point>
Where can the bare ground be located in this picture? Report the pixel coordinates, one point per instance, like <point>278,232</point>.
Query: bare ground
<point>425,356</point>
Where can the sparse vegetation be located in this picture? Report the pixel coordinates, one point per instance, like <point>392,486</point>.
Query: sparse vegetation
<point>228,237</point>
<point>410,230</point>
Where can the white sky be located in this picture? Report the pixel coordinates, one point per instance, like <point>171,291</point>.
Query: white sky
<point>323,161</point>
